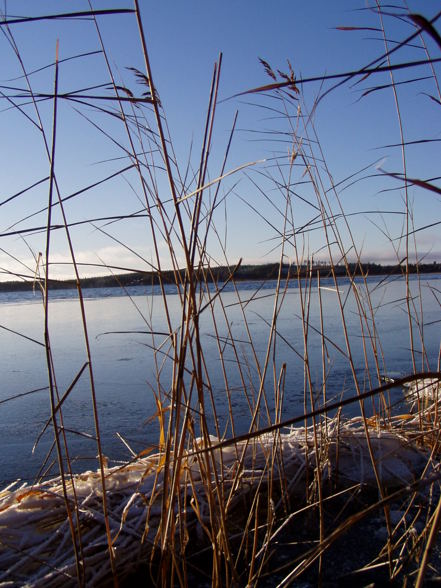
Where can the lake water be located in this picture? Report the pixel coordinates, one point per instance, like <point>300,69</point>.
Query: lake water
<point>126,367</point>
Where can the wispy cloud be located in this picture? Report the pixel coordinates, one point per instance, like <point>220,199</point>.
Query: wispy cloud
<point>91,262</point>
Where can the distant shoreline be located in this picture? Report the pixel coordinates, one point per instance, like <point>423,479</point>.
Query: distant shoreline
<point>221,274</point>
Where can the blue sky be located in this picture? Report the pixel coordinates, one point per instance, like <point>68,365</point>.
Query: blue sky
<point>184,40</point>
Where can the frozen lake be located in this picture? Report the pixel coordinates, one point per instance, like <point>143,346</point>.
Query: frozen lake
<point>126,366</point>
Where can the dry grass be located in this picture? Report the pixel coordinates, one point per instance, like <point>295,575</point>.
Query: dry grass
<point>211,504</point>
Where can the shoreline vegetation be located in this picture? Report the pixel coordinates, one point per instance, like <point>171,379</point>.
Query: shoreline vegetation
<point>242,273</point>
<point>282,503</point>
<point>135,489</point>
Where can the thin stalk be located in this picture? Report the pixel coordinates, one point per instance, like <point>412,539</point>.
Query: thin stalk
<point>52,390</point>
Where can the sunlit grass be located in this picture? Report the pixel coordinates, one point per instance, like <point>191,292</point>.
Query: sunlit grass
<point>208,502</point>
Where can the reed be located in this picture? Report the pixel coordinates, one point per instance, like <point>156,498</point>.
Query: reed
<point>212,500</point>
